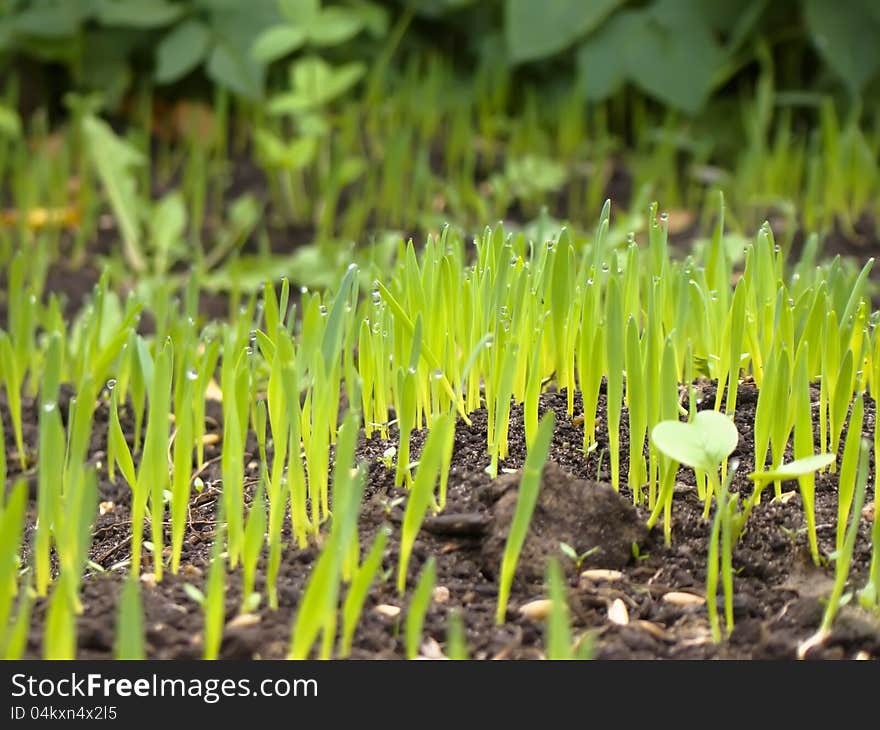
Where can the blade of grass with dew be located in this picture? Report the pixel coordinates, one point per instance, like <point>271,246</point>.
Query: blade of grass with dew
<point>668,467</point>
<point>502,409</point>
<point>841,398</point>
<point>252,548</point>
<point>317,609</point>
<point>421,494</point>
<point>181,468</point>
<point>803,443</point>
<point>51,453</point>
<point>152,478</point>
<point>614,364</point>
<point>433,362</point>
<point>418,608</point>
<point>118,452</point>
<point>848,466</point>
<point>527,497</point>
<point>638,417</point>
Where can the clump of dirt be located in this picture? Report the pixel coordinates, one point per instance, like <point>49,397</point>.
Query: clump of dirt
<point>589,516</point>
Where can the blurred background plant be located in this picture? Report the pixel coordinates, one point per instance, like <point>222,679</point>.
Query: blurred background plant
<point>277,133</point>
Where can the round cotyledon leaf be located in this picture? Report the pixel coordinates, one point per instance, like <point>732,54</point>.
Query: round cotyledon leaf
<point>703,444</point>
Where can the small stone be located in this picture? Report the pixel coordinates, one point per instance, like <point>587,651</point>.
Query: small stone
<point>441,594</point>
<point>106,508</point>
<point>680,598</point>
<point>868,511</point>
<point>536,610</point>
<point>387,610</point>
<point>148,579</point>
<point>209,439</point>
<point>617,613</point>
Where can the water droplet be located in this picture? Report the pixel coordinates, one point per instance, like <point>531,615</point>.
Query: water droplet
<point>249,351</point>
<point>411,370</point>
<point>605,267</point>
<point>437,374</point>
<point>323,310</point>
<point>192,374</point>
<point>664,217</point>
<point>49,406</point>
<point>303,290</point>
<point>111,384</point>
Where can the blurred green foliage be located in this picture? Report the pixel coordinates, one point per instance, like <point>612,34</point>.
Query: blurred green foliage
<point>677,52</point>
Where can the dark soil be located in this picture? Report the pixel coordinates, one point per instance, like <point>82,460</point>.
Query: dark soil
<point>778,592</point>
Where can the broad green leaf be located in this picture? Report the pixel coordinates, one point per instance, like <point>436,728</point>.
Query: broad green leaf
<point>845,34</point>
<point>181,50</point>
<point>535,30</point>
<point>141,14</point>
<point>232,68</point>
<point>278,42</point>
<point>703,444</point>
<point>334,26</point>
<point>675,64</point>
<point>299,12</point>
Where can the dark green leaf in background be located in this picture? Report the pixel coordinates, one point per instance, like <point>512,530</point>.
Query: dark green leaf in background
<point>672,58</point>
<point>847,35</point>
<point>536,29</point>
<point>181,50</point>
<point>137,13</point>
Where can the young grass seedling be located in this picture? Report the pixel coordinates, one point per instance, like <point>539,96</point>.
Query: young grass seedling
<point>421,495</point>
<point>418,608</point>
<point>558,631</point>
<point>129,642</point>
<point>357,591</point>
<point>843,558</point>
<point>527,497</point>
<point>456,637</point>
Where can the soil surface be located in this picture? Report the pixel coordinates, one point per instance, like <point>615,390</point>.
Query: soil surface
<point>778,599</point>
